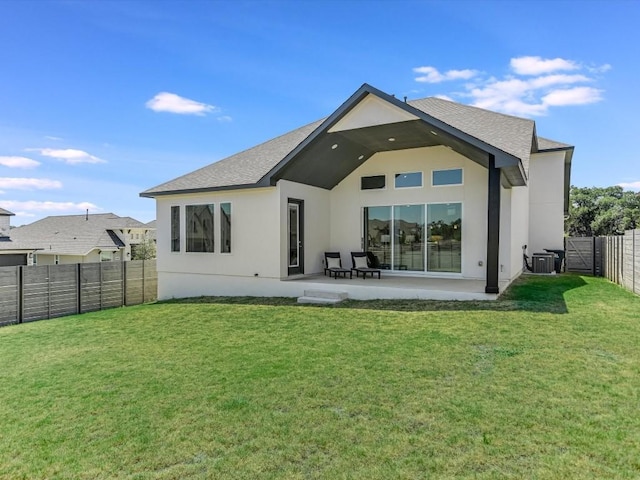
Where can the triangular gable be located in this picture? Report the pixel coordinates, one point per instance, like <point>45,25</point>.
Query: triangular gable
<point>345,149</point>
<point>369,112</point>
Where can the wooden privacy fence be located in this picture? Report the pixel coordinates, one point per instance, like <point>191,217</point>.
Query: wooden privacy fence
<point>29,293</point>
<point>616,258</point>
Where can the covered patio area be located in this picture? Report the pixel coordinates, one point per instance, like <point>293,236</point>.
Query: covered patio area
<point>392,286</point>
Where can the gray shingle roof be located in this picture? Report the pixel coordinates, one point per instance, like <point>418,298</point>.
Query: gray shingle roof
<point>8,244</point>
<point>244,168</point>
<point>5,212</point>
<point>547,144</point>
<point>74,234</point>
<point>512,135</point>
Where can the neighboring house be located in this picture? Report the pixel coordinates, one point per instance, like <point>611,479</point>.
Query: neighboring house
<point>82,238</point>
<point>11,252</point>
<point>434,188</point>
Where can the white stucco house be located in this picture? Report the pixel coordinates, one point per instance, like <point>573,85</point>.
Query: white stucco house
<point>438,191</point>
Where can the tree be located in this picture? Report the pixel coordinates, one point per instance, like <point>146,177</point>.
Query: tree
<point>600,211</point>
<point>145,250</point>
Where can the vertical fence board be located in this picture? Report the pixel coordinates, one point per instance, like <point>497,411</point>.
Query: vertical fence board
<point>9,295</point>
<point>580,255</point>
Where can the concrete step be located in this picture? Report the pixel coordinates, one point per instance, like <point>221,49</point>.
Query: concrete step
<point>322,296</point>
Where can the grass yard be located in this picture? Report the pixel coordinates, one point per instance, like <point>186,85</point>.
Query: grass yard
<point>544,383</point>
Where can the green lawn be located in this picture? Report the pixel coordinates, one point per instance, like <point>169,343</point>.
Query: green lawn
<point>544,383</point>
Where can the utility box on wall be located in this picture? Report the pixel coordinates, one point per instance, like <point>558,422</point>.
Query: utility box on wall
<point>543,262</point>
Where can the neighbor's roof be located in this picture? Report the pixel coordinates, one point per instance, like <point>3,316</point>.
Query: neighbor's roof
<point>8,245</point>
<point>5,212</point>
<point>513,135</point>
<point>75,234</point>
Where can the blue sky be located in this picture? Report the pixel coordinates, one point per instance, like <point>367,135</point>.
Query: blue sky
<point>100,100</point>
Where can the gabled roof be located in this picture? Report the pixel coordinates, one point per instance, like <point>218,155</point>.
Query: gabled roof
<point>473,132</point>
<point>6,212</point>
<point>75,234</point>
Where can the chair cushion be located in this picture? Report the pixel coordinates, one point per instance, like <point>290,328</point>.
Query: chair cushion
<point>333,262</point>
<point>360,262</point>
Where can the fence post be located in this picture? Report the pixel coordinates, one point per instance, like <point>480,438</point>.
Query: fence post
<point>143,276</point>
<point>124,283</point>
<point>79,287</point>
<point>101,282</point>
<point>20,279</point>
<point>48,291</point>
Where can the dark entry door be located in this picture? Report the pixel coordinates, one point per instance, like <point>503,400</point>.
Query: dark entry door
<point>295,229</point>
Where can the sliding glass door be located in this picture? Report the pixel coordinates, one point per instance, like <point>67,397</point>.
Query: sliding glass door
<point>408,239</point>
<point>444,243</point>
<point>398,237</point>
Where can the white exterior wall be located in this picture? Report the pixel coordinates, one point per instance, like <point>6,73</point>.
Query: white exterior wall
<point>546,201</point>
<point>519,228</point>
<point>316,224</point>
<point>255,243</point>
<point>5,225</point>
<point>48,259</point>
<point>347,200</point>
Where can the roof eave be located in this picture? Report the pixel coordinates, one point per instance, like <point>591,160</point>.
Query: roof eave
<point>186,191</point>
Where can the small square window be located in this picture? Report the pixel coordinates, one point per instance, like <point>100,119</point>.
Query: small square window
<point>447,177</point>
<point>408,180</point>
<point>374,182</point>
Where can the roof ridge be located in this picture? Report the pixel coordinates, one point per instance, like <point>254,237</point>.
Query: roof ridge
<point>473,107</point>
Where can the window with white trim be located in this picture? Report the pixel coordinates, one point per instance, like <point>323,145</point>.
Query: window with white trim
<point>200,236</point>
<point>373,182</point>
<point>452,176</point>
<point>408,180</point>
<point>225,228</point>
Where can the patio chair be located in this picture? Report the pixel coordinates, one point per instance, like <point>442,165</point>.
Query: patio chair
<point>363,263</point>
<point>333,265</point>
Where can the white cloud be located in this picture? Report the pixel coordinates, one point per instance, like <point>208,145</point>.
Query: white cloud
<point>572,96</point>
<point>170,102</point>
<point>68,155</point>
<point>9,183</point>
<point>538,65</point>
<point>600,68</point>
<point>18,162</point>
<point>432,75</point>
<point>561,79</point>
<point>37,206</point>
<point>55,139</point>
<point>225,119</point>
<point>537,85</point>
<point>630,185</point>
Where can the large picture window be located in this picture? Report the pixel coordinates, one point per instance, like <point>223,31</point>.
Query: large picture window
<point>415,238</point>
<point>199,220</point>
<point>175,229</point>
<point>225,228</point>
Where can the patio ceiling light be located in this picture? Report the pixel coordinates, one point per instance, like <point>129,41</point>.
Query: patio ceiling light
<point>334,146</point>
<point>392,139</point>
<point>433,133</point>
<point>360,157</point>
